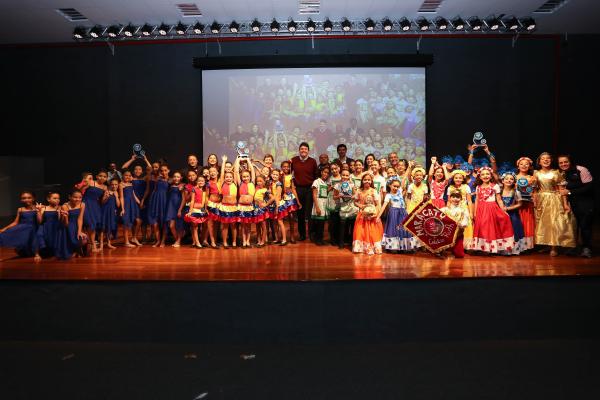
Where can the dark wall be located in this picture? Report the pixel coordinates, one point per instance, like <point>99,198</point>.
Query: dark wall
<point>80,107</point>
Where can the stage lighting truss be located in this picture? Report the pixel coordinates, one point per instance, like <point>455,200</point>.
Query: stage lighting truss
<point>343,26</point>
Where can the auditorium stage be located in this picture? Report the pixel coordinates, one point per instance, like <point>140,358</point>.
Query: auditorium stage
<point>294,262</point>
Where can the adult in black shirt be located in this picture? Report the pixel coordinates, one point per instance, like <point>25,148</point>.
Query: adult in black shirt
<point>580,192</point>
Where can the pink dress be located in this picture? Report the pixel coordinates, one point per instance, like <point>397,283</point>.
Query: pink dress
<point>493,232</point>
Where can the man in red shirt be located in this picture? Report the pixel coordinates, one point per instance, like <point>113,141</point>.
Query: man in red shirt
<point>305,172</point>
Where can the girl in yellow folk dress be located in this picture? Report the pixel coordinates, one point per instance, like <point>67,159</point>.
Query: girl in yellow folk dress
<point>554,222</point>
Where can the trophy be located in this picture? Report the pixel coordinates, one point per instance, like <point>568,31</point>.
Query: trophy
<point>478,139</point>
<point>346,190</point>
<point>242,150</point>
<point>138,151</point>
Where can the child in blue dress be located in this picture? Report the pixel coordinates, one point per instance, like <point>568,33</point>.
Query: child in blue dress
<point>92,199</point>
<point>49,220</point>
<point>174,213</point>
<point>111,202</point>
<point>157,206</point>
<point>130,209</point>
<point>71,239</point>
<point>512,203</point>
<point>21,234</point>
<point>395,237</point>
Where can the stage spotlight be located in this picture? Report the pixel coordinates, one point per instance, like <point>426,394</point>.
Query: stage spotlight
<point>405,24</point>
<point>441,24</point>
<point>292,26</point>
<point>113,31</point>
<point>181,28</point>
<point>346,25</point>
<point>458,24</point>
<point>275,26</point>
<point>475,23</point>
<point>96,31</point>
<point>129,30</point>
<point>198,28</point>
<point>147,30</point>
<point>492,23</point>
<point>255,26</point>
<point>423,24</point>
<point>215,27</point>
<point>310,25</point>
<point>511,24</point>
<point>528,23</point>
<point>79,32</point>
<point>234,27</point>
<point>163,29</point>
<point>369,24</point>
<point>387,24</point>
<point>327,25</point>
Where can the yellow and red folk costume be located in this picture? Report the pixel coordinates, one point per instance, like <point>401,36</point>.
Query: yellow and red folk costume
<point>214,200</point>
<point>245,203</point>
<point>288,202</point>
<point>228,208</point>
<point>261,211</point>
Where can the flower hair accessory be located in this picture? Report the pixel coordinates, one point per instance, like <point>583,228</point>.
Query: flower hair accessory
<point>459,172</point>
<point>507,173</point>
<point>418,169</point>
<point>486,168</point>
<point>524,159</point>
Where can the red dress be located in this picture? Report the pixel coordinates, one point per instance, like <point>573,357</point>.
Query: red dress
<point>437,193</point>
<point>493,232</point>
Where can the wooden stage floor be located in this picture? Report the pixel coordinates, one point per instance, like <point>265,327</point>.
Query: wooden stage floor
<point>297,262</point>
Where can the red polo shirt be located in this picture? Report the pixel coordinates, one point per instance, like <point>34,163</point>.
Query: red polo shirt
<point>305,172</point>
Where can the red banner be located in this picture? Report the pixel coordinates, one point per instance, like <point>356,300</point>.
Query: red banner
<point>429,224</point>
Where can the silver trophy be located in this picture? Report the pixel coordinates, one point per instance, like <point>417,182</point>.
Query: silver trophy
<point>242,150</point>
<point>138,151</point>
<point>478,139</point>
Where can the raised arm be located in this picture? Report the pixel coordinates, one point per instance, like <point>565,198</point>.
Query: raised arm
<point>129,162</point>
<point>252,172</point>
<point>432,167</point>
<point>224,158</point>
<point>236,171</point>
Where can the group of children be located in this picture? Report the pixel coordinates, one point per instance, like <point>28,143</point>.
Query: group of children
<point>364,202</point>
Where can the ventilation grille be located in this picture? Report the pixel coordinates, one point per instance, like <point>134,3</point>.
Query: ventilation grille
<point>550,6</point>
<point>308,7</point>
<point>430,6</point>
<point>189,10</point>
<point>72,14</point>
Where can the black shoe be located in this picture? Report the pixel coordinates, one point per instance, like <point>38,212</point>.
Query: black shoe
<point>301,238</point>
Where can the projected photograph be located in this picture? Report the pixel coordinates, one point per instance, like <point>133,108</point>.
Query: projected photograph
<point>271,111</point>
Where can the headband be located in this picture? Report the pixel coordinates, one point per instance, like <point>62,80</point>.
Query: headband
<point>505,174</point>
<point>418,169</point>
<point>524,158</point>
<point>459,172</point>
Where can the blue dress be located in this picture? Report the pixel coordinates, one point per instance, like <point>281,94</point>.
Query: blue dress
<point>517,224</point>
<point>67,241</point>
<point>48,233</point>
<point>109,217</point>
<point>139,187</point>
<point>395,237</point>
<point>93,210</point>
<point>173,203</point>
<point>131,208</point>
<point>157,206</point>
<point>23,236</point>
